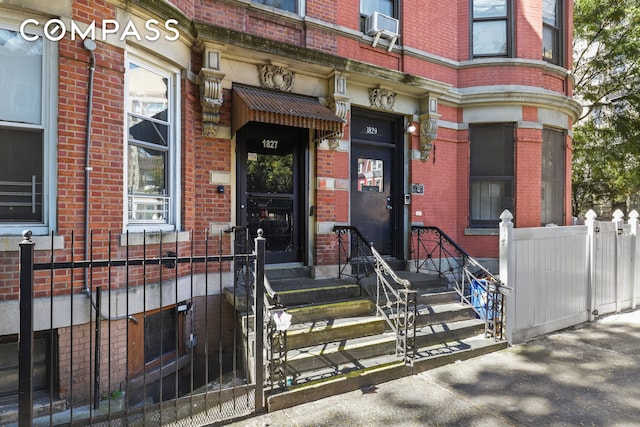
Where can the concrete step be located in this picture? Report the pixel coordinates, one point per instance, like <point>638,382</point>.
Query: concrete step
<point>309,334</point>
<point>336,353</point>
<point>331,310</point>
<point>367,372</point>
<point>433,297</point>
<point>444,313</point>
<point>292,292</point>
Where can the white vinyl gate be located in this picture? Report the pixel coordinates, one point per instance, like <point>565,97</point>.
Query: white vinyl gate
<point>564,276</point>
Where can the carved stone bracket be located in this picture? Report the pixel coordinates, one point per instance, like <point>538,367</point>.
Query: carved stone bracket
<point>428,133</point>
<point>210,100</point>
<point>382,98</point>
<point>340,107</point>
<point>276,77</point>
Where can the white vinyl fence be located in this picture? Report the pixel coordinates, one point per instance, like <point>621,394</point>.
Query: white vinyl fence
<point>564,276</point>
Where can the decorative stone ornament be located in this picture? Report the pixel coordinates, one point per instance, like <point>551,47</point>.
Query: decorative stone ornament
<point>428,133</point>
<point>382,98</point>
<point>276,77</point>
<point>210,100</point>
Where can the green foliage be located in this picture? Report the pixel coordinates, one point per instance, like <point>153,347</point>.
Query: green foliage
<point>607,70</point>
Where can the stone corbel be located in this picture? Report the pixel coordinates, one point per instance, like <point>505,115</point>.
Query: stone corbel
<point>210,100</point>
<point>340,107</point>
<point>428,134</point>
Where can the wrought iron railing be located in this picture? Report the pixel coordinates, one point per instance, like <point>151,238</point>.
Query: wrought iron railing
<point>394,299</point>
<point>273,313</point>
<point>436,253</point>
<point>145,301</point>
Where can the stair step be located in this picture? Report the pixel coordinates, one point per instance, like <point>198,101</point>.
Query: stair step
<point>336,353</point>
<point>367,372</point>
<point>298,293</point>
<point>438,296</point>
<point>309,334</point>
<point>444,313</point>
<point>331,310</point>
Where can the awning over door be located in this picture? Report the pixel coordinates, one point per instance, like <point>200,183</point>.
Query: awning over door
<point>266,106</point>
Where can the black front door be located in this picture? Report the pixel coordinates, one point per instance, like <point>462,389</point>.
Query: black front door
<point>376,179</point>
<point>269,178</point>
<point>371,194</point>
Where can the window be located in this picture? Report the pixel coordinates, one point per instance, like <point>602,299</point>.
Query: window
<point>367,7</point>
<point>288,5</point>
<point>551,31</point>
<point>553,177</point>
<point>152,146</point>
<point>157,338</point>
<point>27,137</point>
<point>491,173</point>
<point>10,362</point>
<point>491,28</point>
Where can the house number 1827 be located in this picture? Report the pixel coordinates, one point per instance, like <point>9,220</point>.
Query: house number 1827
<point>270,143</point>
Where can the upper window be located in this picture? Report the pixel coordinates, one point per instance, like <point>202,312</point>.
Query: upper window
<point>288,5</point>
<point>491,173</point>
<point>368,7</point>
<point>551,31</point>
<point>27,138</point>
<point>553,177</point>
<point>152,166</point>
<point>491,28</point>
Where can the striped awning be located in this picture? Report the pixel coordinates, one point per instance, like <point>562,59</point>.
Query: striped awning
<point>252,104</point>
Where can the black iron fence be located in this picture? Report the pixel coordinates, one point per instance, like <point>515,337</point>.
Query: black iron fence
<point>150,329</point>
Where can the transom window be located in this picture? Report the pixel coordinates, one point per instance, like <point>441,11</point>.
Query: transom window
<point>551,31</point>
<point>491,28</point>
<point>491,173</point>
<point>151,178</point>
<point>27,192</point>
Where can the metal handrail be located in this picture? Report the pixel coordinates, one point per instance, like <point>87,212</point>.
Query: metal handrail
<point>397,305</point>
<point>475,284</point>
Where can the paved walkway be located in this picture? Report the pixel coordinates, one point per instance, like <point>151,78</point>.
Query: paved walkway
<point>585,376</point>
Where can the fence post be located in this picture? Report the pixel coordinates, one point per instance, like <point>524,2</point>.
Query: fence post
<point>25,349</point>
<point>591,264</point>
<point>260,242</point>
<point>507,270</point>
<point>633,222</point>
<point>618,220</point>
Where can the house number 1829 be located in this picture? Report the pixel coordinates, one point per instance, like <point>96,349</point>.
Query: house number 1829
<point>270,143</point>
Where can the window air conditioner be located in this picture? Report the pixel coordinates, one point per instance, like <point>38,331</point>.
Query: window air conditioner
<point>380,25</point>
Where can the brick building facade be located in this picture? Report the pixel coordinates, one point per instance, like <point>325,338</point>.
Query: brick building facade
<point>292,116</point>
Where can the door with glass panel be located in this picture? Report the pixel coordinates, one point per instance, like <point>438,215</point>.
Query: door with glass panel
<point>269,178</point>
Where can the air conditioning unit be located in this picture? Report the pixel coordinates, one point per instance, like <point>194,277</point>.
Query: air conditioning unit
<point>380,25</point>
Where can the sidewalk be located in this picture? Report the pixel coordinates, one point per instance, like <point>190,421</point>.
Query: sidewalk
<point>585,376</point>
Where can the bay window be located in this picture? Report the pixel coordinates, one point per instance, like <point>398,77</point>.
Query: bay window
<point>491,173</point>
<point>491,28</point>
<point>551,31</point>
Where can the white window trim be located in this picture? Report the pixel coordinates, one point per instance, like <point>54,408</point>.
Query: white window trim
<point>157,65</point>
<point>49,126</point>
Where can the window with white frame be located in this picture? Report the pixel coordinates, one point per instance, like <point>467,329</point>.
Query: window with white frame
<point>552,31</point>
<point>491,173</point>
<point>152,145</point>
<point>368,7</point>
<point>27,134</point>
<point>490,28</point>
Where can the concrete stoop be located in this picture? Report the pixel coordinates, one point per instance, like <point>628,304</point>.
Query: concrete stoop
<point>337,342</point>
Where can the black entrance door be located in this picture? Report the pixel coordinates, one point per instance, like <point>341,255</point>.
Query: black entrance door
<point>269,177</point>
<point>371,195</point>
